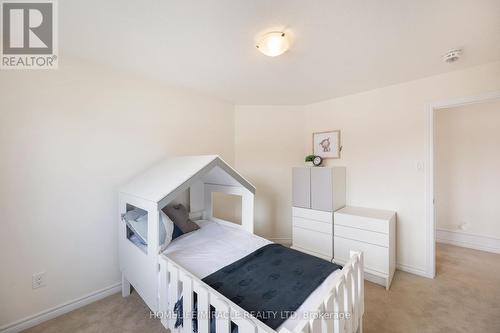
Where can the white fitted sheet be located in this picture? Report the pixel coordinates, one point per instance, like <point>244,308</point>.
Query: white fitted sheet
<point>214,246</point>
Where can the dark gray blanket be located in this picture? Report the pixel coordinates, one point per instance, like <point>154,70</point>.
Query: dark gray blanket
<point>272,282</point>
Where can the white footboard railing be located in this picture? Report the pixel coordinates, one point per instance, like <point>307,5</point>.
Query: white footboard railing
<point>341,311</point>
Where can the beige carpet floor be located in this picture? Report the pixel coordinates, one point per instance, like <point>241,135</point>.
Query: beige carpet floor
<point>464,297</point>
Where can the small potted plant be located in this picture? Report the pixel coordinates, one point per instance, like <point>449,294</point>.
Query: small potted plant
<point>309,160</point>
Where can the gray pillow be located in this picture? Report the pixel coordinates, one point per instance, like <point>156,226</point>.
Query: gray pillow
<point>180,216</point>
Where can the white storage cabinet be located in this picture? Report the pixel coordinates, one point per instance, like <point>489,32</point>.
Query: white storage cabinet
<point>372,231</point>
<point>316,193</point>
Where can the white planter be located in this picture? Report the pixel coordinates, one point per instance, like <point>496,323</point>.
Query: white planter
<point>308,164</point>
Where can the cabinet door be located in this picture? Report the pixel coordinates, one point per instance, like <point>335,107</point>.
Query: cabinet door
<point>301,187</point>
<point>322,189</point>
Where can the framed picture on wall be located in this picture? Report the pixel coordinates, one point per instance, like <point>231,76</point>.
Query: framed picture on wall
<point>327,144</point>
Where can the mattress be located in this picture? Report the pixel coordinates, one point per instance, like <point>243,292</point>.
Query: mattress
<point>214,246</point>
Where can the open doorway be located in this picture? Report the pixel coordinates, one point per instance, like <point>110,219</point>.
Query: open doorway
<point>464,182</point>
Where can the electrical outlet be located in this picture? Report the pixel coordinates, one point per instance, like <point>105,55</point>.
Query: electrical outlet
<point>38,280</point>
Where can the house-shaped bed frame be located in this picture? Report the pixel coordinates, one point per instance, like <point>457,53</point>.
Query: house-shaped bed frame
<point>160,281</point>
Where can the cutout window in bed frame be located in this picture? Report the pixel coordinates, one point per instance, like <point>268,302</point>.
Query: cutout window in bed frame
<point>227,207</point>
<point>132,233</point>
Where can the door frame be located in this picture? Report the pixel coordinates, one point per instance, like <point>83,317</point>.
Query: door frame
<point>432,108</point>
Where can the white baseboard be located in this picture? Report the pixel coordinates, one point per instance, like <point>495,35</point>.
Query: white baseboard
<point>56,311</point>
<point>282,241</point>
<point>464,239</point>
<point>374,278</point>
<point>413,270</point>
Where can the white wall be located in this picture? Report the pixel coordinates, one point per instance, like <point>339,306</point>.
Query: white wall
<point>468,169</point>
<point>384,138</point>
<point>68,139</point>
<point>268,143</point>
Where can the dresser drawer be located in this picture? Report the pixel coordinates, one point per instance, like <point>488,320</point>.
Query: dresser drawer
<point>366,236</point>
<point>362,222</point>
<point>325,228</point>
<point>375,257</point>
<point>312,241</point>
<point>311,214</point>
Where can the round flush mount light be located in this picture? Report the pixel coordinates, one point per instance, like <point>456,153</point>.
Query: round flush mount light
<point>273,43</point>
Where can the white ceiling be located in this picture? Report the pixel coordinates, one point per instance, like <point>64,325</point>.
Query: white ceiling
<point>340,46</point>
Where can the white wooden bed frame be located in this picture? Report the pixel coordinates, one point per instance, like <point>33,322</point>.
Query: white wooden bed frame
<point>347,296</point>
<point>160,281</point>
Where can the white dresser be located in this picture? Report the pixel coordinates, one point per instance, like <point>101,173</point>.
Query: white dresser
<point>317,193</point>
<point>372,231</point>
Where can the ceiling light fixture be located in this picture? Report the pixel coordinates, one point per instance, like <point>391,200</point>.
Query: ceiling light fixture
<point>273,43</point>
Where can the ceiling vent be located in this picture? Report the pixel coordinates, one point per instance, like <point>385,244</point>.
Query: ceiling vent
<point>452,55</point>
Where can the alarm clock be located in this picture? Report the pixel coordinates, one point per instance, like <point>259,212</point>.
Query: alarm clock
<point>317,160</point>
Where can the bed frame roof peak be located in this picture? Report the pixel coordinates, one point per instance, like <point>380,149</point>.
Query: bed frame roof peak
<point>172,175</point>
